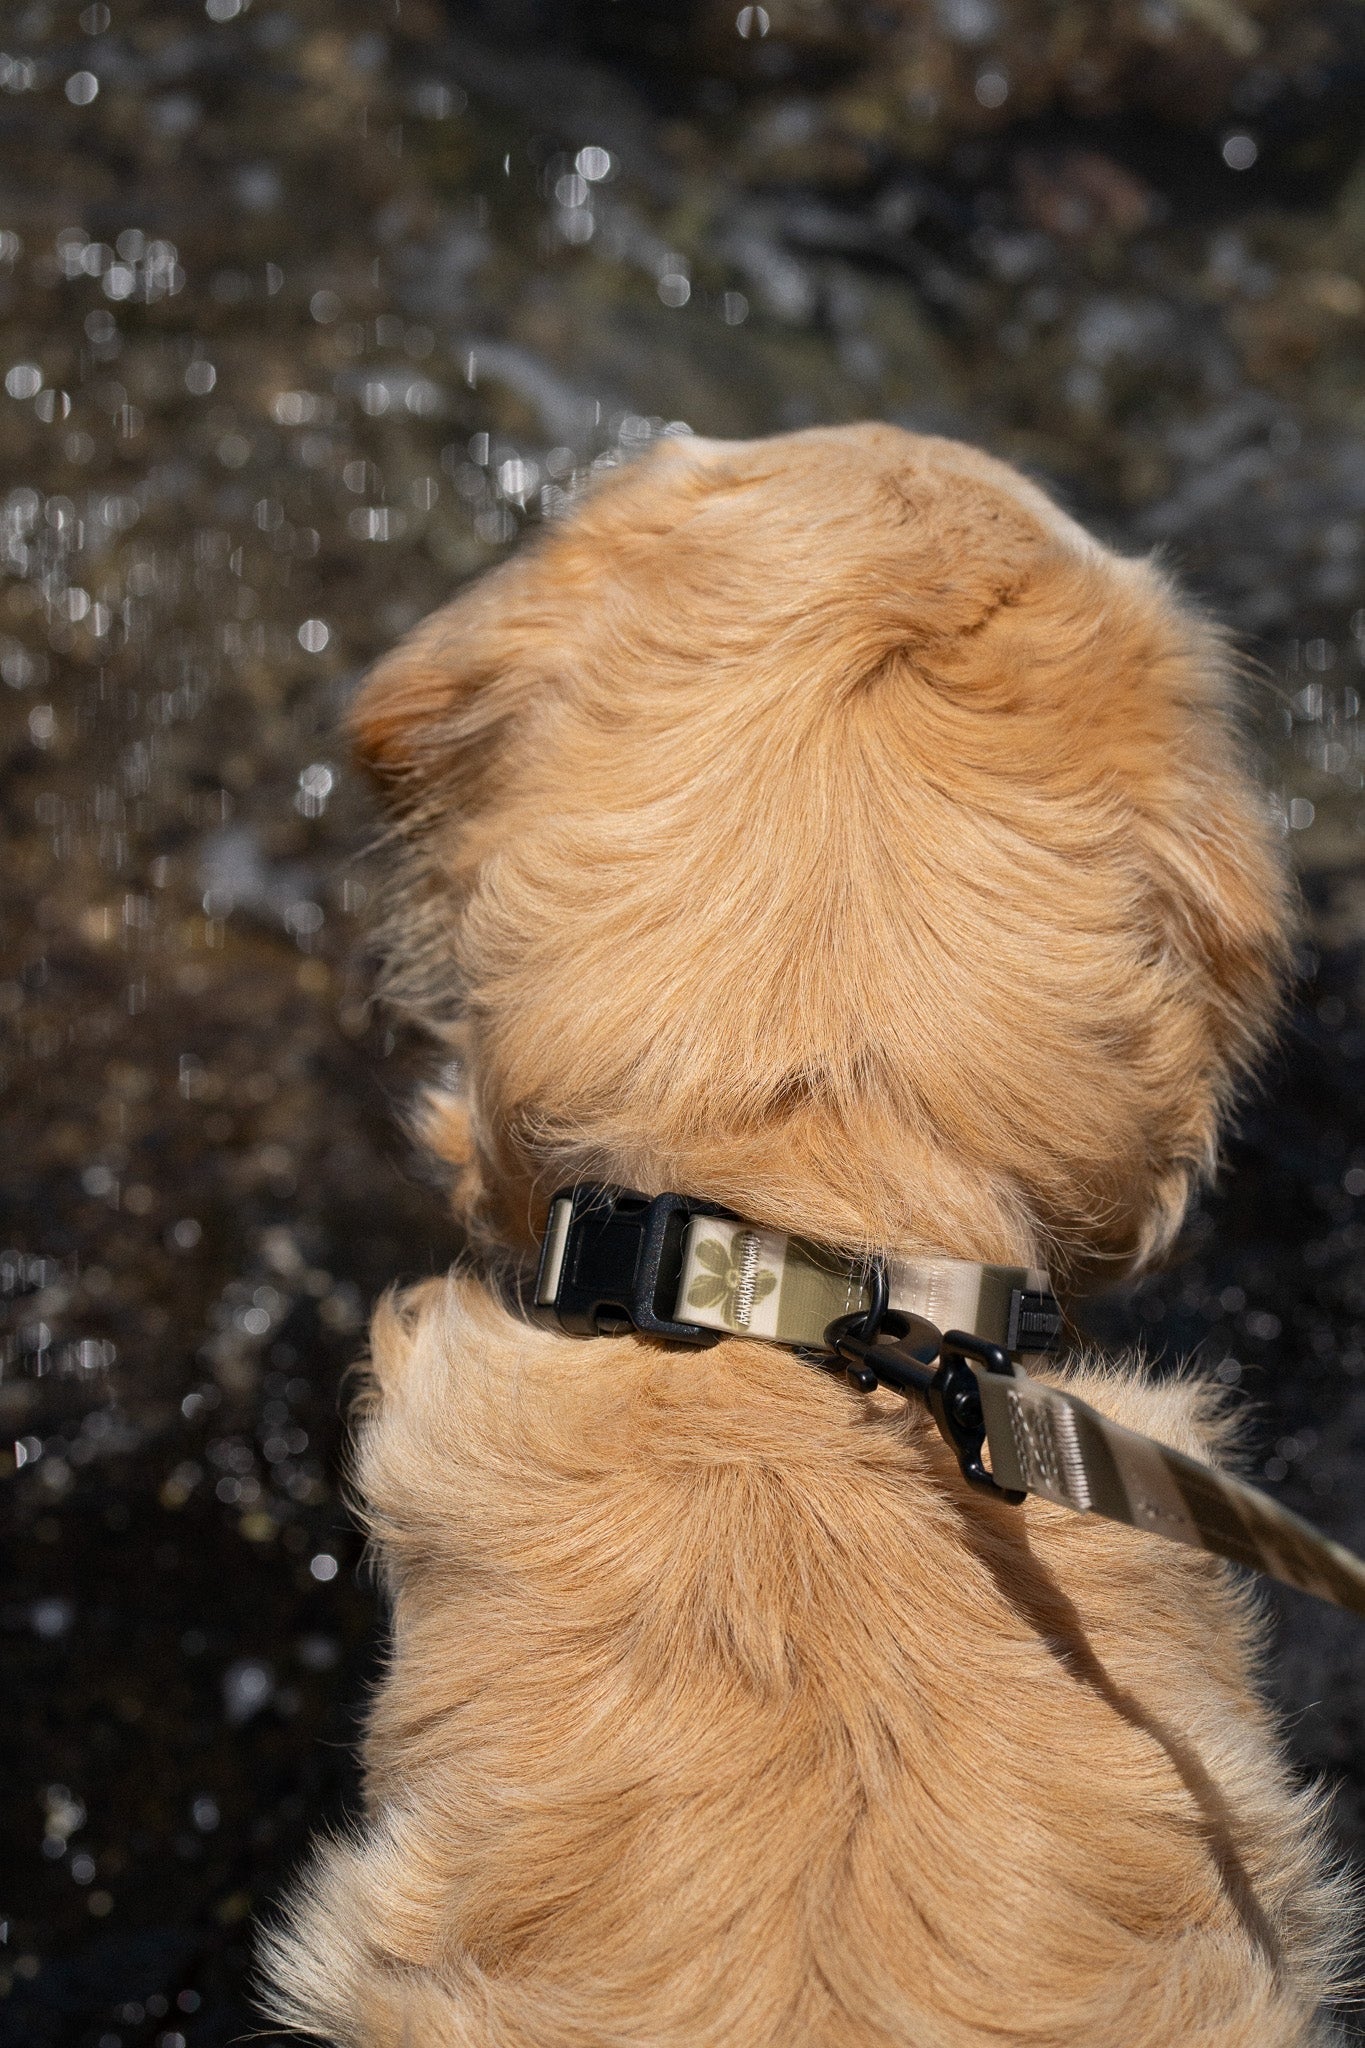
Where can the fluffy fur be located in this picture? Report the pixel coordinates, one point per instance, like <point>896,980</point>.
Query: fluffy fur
<point>830,827</point>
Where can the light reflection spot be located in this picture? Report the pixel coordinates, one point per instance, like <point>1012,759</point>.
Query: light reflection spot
<point>50,1619</point>
<point>295,408</point>
<point>435,101</point>
<point>247,1687</point>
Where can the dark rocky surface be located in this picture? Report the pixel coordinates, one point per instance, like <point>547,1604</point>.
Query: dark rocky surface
<point>307,308</point>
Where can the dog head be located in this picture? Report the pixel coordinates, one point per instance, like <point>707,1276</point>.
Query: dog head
<point>829,826</point>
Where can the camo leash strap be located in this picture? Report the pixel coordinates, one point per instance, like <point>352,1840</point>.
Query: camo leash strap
<point>1045,1441</point>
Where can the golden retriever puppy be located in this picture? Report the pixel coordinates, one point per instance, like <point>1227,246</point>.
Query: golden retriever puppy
<point>828,827</point>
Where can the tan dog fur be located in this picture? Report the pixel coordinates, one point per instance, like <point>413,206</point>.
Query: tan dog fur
<point>829,827</point>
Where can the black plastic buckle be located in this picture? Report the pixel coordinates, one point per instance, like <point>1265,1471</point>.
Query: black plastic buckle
<point>611,1260</point>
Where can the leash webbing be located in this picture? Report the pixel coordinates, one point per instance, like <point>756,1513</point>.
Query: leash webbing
<point>1046,1441</point>
<point>946,1330</point>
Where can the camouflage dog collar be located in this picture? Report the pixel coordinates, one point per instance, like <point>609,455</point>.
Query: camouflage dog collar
<point>945,1330</point>
<point>684,1269</point>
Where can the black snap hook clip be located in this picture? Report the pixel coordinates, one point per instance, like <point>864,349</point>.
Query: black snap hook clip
<point>955,1404</point>
<point>907,1364</point>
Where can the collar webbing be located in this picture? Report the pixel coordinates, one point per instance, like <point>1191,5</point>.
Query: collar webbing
<point>685,1269</point>
<point>945,1329</point>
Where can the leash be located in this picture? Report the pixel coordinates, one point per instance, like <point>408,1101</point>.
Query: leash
<point>946,1331</point>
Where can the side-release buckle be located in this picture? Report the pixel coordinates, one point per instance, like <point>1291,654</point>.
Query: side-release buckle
<point>611,1261</point>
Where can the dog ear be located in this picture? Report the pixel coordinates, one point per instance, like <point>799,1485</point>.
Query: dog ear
<point>427,712</point>
<point>1094,712</point>
<point>1222,921</point>
<point>402,697</point>
<point>1217,874</point>
<point>411,721</point>
<point>1103,685</point>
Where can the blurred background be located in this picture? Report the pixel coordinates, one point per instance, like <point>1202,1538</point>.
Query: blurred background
<point>308,308</point>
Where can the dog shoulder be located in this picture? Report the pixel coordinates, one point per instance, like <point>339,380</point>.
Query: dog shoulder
<point>691,1642</point>
<point>471,1421</point>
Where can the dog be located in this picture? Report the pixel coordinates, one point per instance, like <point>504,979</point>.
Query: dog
<point>829,827</point>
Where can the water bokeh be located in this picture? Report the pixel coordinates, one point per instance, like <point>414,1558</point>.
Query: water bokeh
<point>308,309</point>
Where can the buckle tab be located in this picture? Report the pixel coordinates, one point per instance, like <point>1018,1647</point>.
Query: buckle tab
<point>1035,1322</point>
